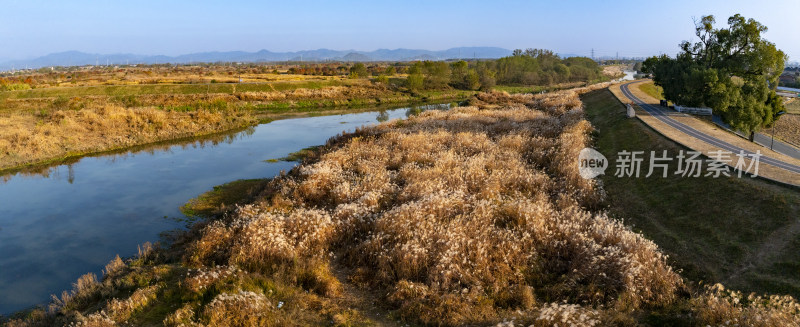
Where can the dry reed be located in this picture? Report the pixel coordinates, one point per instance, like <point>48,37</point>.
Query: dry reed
<point>475,215</point>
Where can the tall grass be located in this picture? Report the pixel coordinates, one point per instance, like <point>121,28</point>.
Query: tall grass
<point>26,139</point>
<point>475,216</point>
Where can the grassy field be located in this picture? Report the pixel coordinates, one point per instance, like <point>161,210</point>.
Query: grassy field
<point>793,106</point>
<point>143,89</point>
<point>27,139</point>
<point>787,128</point>
<point>536,89</point>
<point>48,124</point>
<point>89,110</point>
<point>472,216</point>
<point>741,232</point>
<point>652,90</point>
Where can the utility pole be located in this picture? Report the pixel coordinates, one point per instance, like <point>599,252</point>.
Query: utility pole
<point>774,123</point>
<point>592,53</point>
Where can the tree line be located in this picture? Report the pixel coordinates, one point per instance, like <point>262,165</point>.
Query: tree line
<point>529,67</point>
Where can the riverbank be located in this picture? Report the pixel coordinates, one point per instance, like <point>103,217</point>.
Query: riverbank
<point>107,204</point>
<point>79,126</point>
<point>27,140</point>
<point>475,215</point>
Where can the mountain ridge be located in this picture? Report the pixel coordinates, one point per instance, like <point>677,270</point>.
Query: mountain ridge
<point>78,58</point>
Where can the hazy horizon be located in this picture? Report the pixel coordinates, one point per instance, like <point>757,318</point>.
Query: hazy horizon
<point>630,28</point>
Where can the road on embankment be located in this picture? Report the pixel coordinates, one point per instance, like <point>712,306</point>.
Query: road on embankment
<point>702,136</point>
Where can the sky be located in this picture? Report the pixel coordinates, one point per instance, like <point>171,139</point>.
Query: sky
<point>32,28</point>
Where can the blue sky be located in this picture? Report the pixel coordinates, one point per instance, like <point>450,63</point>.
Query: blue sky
<point>30,28</point>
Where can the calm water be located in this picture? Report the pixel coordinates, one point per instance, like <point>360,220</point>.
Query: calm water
<point>629,75</point>
<point>781,88</point>
<point>72,219</point>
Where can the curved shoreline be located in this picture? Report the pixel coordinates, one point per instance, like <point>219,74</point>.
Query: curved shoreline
<point>259,118</point>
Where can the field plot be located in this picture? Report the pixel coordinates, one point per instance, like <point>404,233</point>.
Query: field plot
<point>787,128</point>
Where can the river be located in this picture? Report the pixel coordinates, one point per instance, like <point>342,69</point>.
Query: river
<point>70,219</point>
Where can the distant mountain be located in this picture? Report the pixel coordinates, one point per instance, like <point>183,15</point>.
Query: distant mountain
<point>354,56</point>
<point>75,58</point>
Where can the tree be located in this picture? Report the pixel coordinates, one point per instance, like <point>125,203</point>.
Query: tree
<point>414,81</point>
<point>733,70</point>
<point>472,81</point>
<point>462,77</point>
<point>486,77</point>
<point>383,79</point>
<point>437,74</point>
<point>358,71</point>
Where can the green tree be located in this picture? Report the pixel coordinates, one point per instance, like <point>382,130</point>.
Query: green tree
<point>733,70</point>
<point>437,74</point>
<point>415,81</point>
<point>359,71</point>
<point>462,77</point>
<point>486,77</point>
<point>472,81</point>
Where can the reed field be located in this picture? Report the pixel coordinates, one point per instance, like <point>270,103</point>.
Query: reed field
<point>103,109</point>
<point>51,114</point>
<point>29,139</point>
<point>473,216</point>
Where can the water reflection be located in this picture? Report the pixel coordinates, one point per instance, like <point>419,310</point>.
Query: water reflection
<point>382,116</point>
<point>53,170</point>
<point>416,110</point>
<point>61,221</point>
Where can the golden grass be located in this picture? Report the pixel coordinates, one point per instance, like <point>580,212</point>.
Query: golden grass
<point>793,106</point>
<point>475,216</point>
<point>787,128</point>
<point>84,76</point>
<point>27,139</point>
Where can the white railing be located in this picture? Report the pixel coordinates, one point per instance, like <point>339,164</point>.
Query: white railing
<point>693,110</point>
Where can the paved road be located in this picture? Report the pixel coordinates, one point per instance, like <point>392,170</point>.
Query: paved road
<point>764,139</point>
<point>660,115</point>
